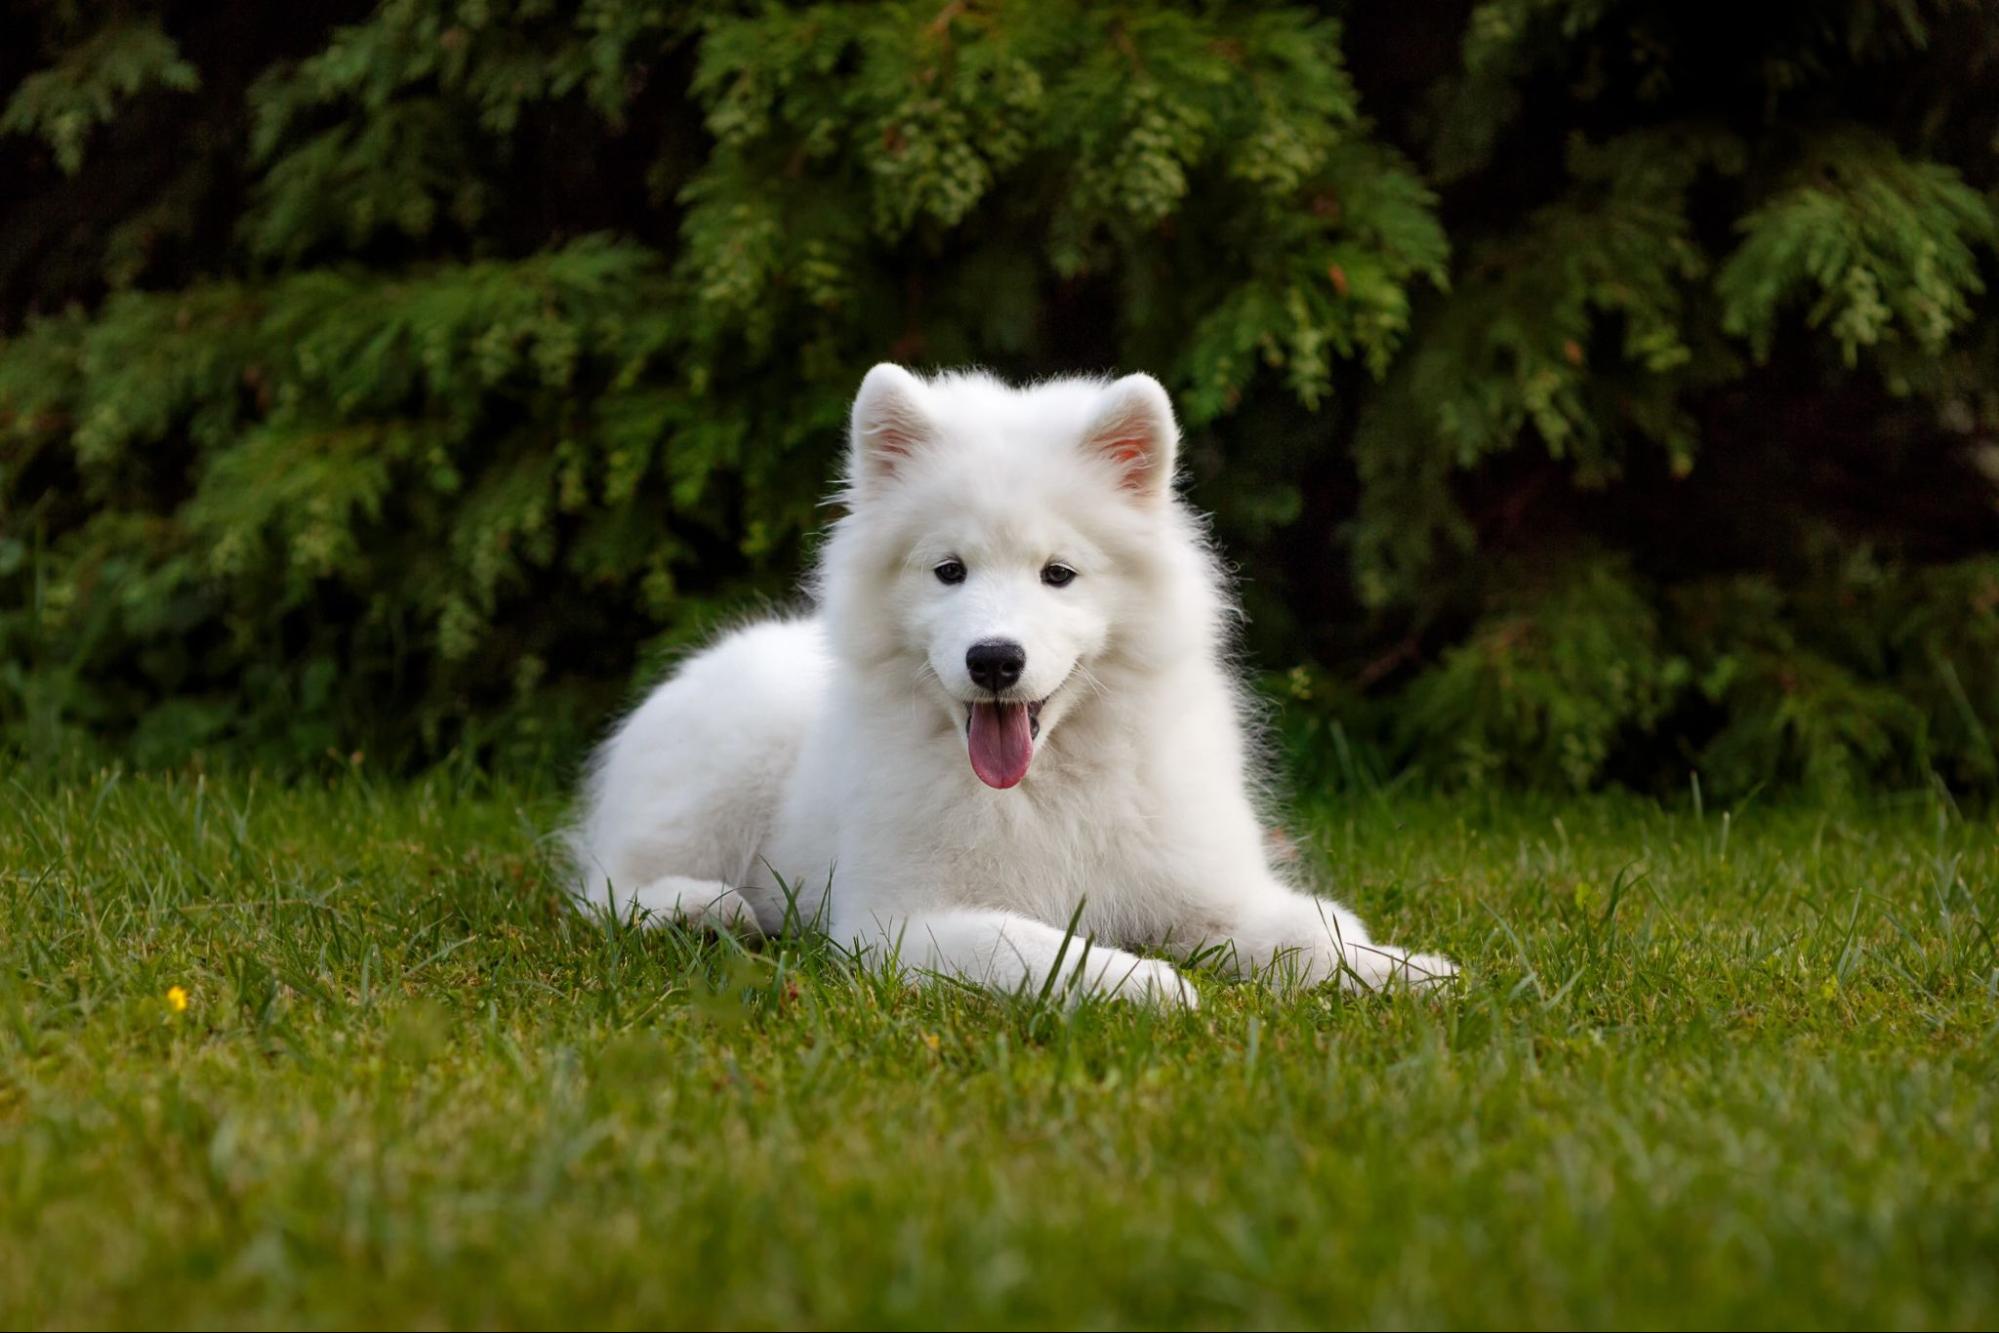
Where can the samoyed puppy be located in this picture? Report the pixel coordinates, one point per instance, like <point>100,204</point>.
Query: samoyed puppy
<point>1008,746</point>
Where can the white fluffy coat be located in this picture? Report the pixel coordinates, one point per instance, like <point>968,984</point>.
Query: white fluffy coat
<point>829,753</point>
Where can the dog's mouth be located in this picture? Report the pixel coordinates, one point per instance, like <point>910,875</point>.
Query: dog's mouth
<point>1000,735</point>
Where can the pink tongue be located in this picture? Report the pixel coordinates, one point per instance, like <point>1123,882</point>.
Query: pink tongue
<point>1001,742</point>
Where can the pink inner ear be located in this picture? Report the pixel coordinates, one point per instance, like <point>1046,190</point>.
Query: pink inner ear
<point>888,444</point>
<point>1132,454</point>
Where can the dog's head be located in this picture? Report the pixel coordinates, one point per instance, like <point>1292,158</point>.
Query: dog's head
<point>1006,548</point>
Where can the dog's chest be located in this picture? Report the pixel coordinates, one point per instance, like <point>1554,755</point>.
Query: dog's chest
<point>1044,849</point>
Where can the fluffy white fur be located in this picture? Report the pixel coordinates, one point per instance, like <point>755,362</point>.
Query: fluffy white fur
<point>831,752</point>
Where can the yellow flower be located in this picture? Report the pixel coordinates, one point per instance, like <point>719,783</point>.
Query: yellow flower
<point>177,999</point>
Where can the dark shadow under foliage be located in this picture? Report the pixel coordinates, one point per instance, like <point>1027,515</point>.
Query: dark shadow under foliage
<point>1586,391</point>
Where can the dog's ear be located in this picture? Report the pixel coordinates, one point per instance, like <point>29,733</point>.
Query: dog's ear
<point>890,422</point>
<point>1133,430</point>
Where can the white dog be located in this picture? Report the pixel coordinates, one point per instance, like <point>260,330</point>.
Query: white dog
<point>1011,715</point>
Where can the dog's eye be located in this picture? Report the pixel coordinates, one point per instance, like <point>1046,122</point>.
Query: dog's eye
<point>1058,576</point>
<point>951,571</point>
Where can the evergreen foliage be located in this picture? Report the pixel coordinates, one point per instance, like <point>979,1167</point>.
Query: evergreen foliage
<point>1586,396</point>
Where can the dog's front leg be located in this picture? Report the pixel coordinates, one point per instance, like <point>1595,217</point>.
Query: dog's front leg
<point>1010,953</point>
<point>1294,939</point>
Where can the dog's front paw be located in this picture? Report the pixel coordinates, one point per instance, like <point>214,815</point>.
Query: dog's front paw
<point>1384,967</point>
<point>1150,981</point>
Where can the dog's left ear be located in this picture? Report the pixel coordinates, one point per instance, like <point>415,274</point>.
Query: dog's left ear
<point>1133,431</point>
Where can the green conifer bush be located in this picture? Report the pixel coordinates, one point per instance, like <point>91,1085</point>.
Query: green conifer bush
<point>1585,392</point>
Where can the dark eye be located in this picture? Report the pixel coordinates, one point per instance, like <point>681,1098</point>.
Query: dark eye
<point>1058,576</point>
<point>951,571</point>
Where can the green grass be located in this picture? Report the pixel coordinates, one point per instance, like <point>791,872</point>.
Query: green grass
<point>1720,1069</point>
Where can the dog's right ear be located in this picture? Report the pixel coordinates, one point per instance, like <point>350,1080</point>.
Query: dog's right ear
<point>890,423</point>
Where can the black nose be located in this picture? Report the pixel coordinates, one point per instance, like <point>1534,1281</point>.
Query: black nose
<point>995,664</point>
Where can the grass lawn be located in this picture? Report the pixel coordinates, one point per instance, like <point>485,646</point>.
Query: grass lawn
<point>1704,1069</point>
